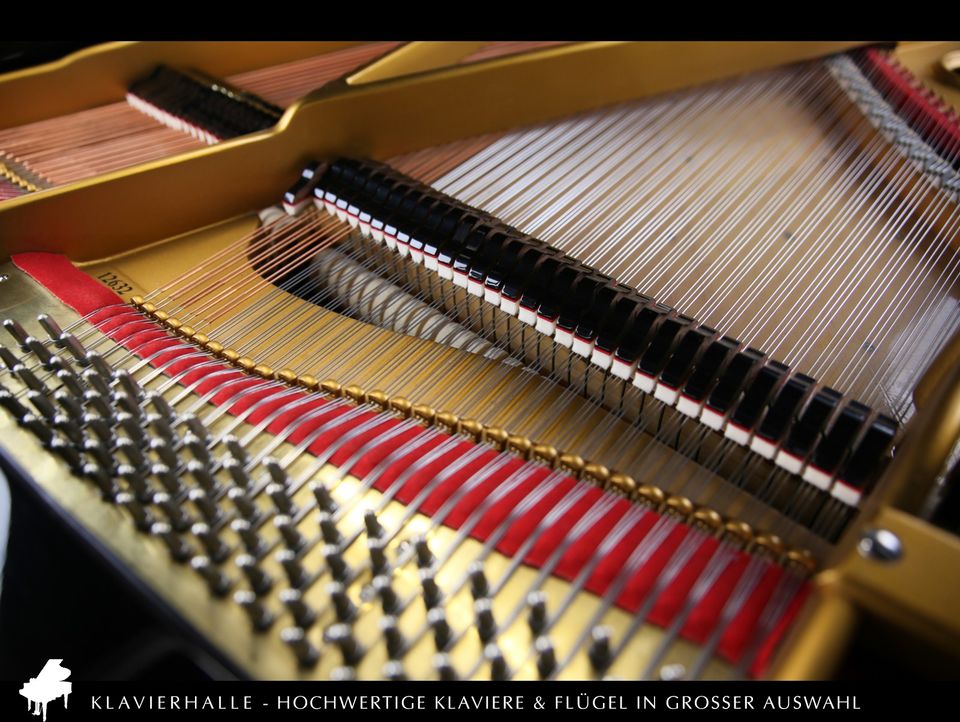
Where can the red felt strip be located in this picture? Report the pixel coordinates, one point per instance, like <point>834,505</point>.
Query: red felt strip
<point>299,415</point>
<point>704,616</point>
<point>769,646</point>
<point>71,285</point>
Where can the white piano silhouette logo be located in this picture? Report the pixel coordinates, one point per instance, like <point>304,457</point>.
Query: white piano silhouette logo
<point>47,686</point>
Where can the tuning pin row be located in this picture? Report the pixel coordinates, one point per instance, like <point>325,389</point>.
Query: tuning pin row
<point>111,428</point>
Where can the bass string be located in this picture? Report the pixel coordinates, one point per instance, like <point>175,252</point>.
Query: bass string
<point>91,142</point>
<point>286,83</point>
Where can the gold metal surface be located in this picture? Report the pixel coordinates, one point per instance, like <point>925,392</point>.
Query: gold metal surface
<point>101,74</point>
<point>264,655</point>
<point>143,204</point>
<point>122,222</point>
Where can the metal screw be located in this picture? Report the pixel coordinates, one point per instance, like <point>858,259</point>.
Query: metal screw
<point>672,672</point>
<point>881,545</point>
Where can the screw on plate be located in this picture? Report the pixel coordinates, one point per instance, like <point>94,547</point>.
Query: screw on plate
<point>672,672</point>
<point>881,545</point>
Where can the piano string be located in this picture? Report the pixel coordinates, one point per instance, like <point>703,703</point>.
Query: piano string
<point>601,186</point>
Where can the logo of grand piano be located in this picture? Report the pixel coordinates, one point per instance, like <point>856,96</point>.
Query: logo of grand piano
<point>46,687</point>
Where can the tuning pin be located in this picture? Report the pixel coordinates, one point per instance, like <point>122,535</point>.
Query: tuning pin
<point>329,530</point>
<point>341,635</point>
<point>96,382</point>
<point>39,350</point>
<point>70,404</point>
<point>344,608</point>
<point>129,448</point>
<point>599,652</point>
<point>123,400</point>
<point>378,557</point>
<point>136,480</point>
<point>291,536</point>
<point>42,404</point>
<point>252,541</point>
<point>281,499</point>
<point>100,450</point>
<point>38,427</point>
<point>199,449</point>
<point>479,587</point>
<point>96,401</point>
<point>201,473</point>
<point>66,426</point>
<point>431,592</point>
<point>303,615</point>
<point>370,521</point>
<point>296,637</point>
<point>161,406</point>
<point>17,331</point>
<point>67,452</point>
<point>498,665</point>
<point>296,574</point>
<point>396,644</point>
<point>9,358</point>
<point>259,615</point>
<point>52,328</point>
<point>11,404</point>
<point>58,364</point>
<point>179,549</point>
<point>339,569</point>
<point>237,473</point>
<point>537,616</point>
<point>260,581</point>
<point>101,430</point>
<point>100,366</point>
<point>443,667</point>
<point>486,624</point>
<point>218,582</point>
<point>236,449</point>
<point>76,349</point>
<point>106,485</point>
<point>442,634</point>
<point>162,429</point>
<point>207,506</point>
<point>166,476</point>
<point>276,472</point>
<point>245,505</point>
<point>388,597</point>
<point>425,557</point>
<point>131,425</point>
<point>175,514</point>
<point>546,656</point>
<point>343,674</point>
<point>30,379</point>
<point>164,451</point>
<point>322,495</point>
<point>128,383</point>
<point>142,517</point>
<point>197,428</point>
<point>216,548</point>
